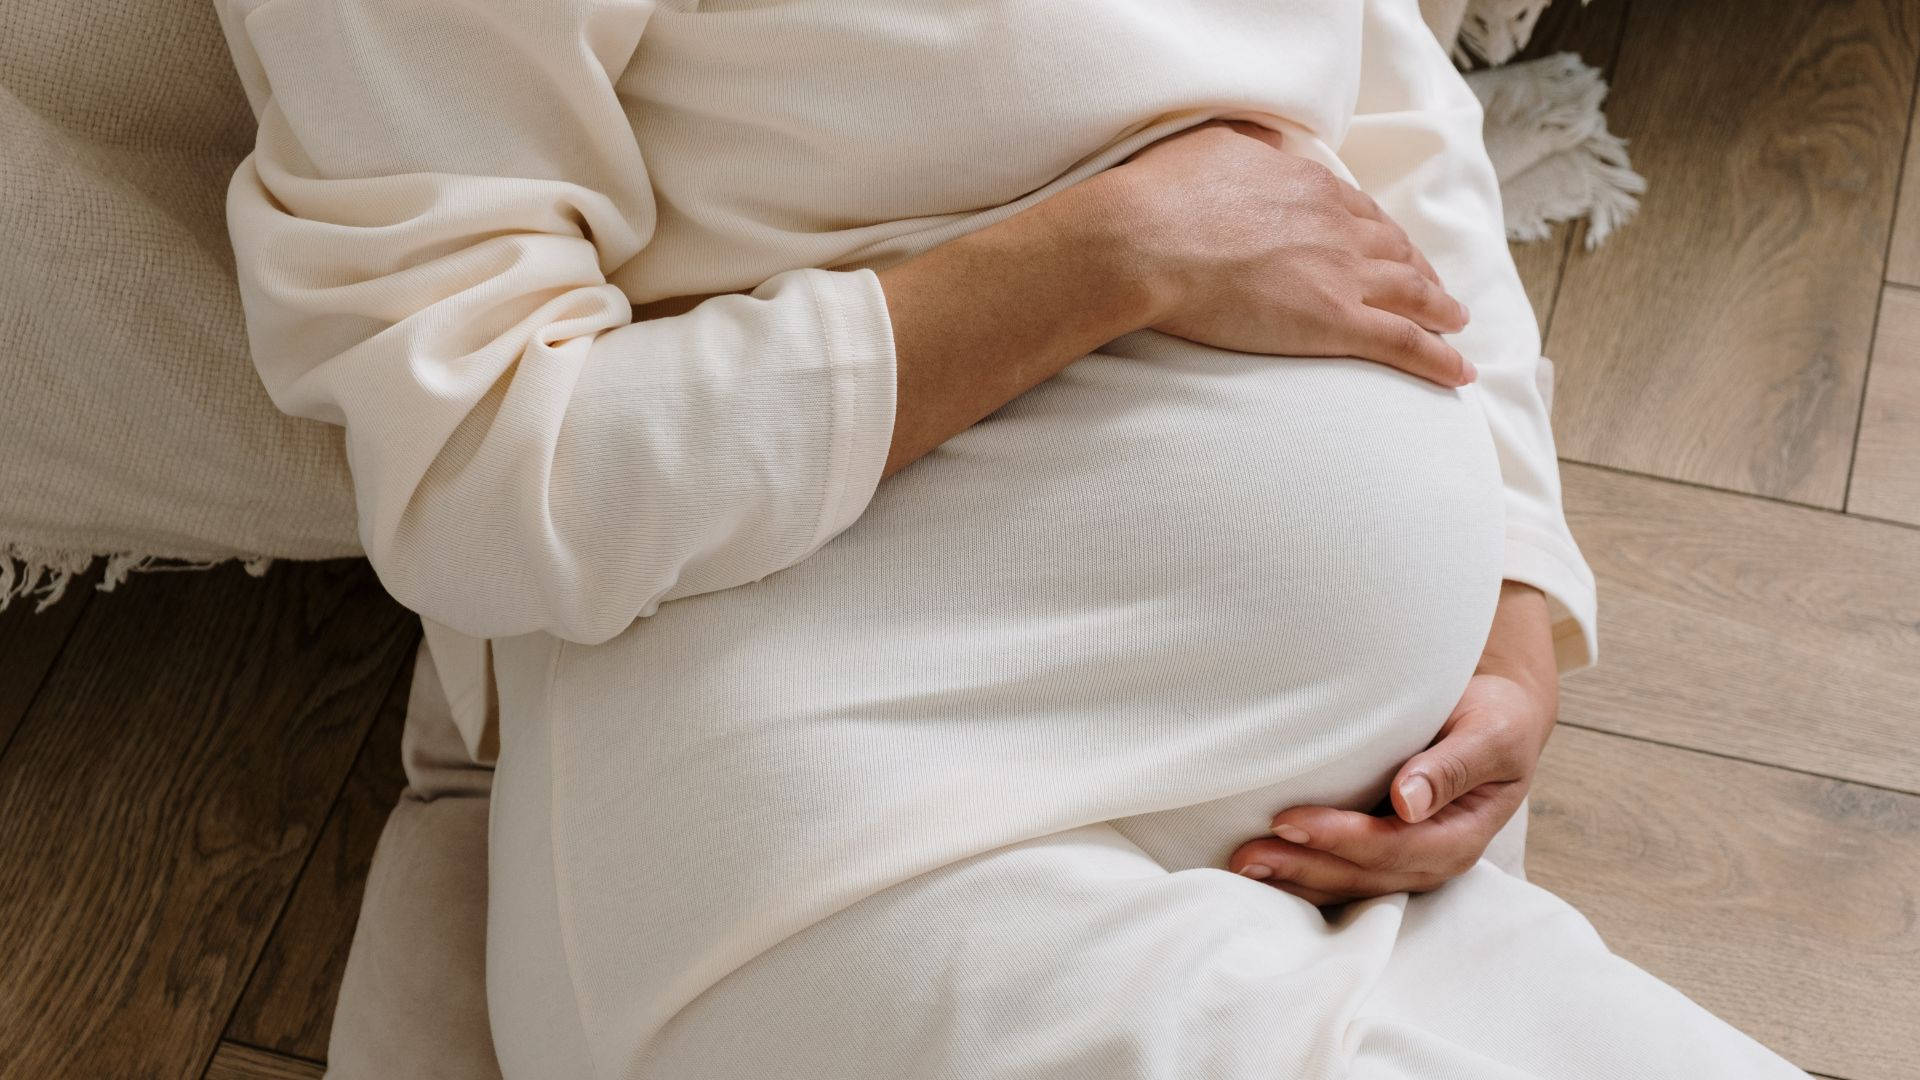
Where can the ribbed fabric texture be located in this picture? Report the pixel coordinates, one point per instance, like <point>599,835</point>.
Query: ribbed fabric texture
<point>131,422</point>
<point>451,206</point>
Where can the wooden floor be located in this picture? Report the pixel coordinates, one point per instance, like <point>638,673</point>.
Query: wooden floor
<point>193,769</point>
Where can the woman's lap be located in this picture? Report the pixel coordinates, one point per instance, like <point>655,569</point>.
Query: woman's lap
<point>1077,954</point>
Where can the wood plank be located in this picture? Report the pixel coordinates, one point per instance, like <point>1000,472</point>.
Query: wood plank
<point>1751,628</point>
<point>235,1062</point>
<point>1722,337</point>
<point>1886,464</point>
<point>1784,903</point>
<point>1903,254</point>
<point>1593,31</point>
<point>288,1004</point>
<point>161,796</point>
<point>29,642</point>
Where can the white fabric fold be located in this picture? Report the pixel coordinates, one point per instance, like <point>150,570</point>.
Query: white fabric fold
<point>424,256</point>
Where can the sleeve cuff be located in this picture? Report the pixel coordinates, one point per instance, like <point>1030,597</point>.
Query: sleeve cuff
<point>1557,570</point>
<point>858,338</point>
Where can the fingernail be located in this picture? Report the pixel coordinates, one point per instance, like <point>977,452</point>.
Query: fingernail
<point>1471,372</point>
<point>1257,870</point>
<point>1292,833</point>
<point>1465,315</point>
<point>1417,793</point>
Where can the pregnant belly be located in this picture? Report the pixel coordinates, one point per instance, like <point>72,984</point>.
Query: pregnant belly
<point>1168,574</point>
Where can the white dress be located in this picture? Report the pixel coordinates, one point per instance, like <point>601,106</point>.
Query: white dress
<point>803,775</point>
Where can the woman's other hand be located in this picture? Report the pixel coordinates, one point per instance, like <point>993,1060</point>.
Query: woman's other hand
<point>1450,799</point>
<point>1257,249</point>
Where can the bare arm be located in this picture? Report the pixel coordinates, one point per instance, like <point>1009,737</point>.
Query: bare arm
<point>985,317</point>
<point>1214,234</point>
<point>1036,292</point>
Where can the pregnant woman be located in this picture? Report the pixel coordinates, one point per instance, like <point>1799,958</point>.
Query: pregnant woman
<point>962,507</point>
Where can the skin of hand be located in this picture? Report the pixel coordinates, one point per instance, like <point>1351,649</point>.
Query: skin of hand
<point>1447,800</point>
<point>1215,233</point>
<point>1265,251</point>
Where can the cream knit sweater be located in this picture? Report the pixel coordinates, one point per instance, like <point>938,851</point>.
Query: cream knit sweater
<point>453,207</point>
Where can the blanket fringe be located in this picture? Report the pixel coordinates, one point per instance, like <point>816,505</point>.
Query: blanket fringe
<point>28,572</point>
<point>1551,148</point>
<point>1493,30</point>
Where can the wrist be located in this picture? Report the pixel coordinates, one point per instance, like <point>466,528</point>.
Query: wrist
<point>1110,221</point>
<point>1520,643</point>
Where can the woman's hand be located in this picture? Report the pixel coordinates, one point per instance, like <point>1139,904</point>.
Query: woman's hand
<point>1449,799</point>
<point>1260,250</point>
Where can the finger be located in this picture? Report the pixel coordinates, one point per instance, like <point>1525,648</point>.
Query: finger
<point>1321,872</point>
<point>1456,765</point>
<point>1399,342</point>
<point>1375,843</point>
<point>1362,205</point>
<point>1427,271</point>
<point>1445,844</point>
<point>1469,756</point>
<point>1399,288</point>
<point>1387,240</point>
<point>1384,240</point>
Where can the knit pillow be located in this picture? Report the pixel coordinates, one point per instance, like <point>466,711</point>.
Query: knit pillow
<point>132,424</point>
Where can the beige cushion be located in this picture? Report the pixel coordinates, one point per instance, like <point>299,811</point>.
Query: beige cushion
<point>131,420</point>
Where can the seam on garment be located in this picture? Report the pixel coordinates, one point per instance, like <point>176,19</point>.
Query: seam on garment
<point>562,898</point>
<point>1546,543</point>
<point>837,453</point>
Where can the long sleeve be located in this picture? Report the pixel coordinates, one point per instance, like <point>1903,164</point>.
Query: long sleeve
<point>424,235</point>
<point>1415,144</point>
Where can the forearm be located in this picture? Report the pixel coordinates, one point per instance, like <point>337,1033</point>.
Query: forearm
<point>1520,643</point>
<point>983,318</point>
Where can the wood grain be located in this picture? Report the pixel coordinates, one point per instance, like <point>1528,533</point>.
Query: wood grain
<point>1903,254</point>
<point>29,642</point>
<point>1593,31</point>
<point>160,797</point>
<point>1783,903</point>
<point>235,1062</point>
<point>1721,338</point>
<point>288,1003</point>
<point>1765,631</point>
<point>1886,463</point>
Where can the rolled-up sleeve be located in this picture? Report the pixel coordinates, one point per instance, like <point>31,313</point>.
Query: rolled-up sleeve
<point>1416,146</point>
<point>424,235</point>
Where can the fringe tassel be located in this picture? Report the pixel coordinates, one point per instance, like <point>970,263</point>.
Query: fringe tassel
<point>1493,30</point>
<point>1550,146</point>
<point>27,571</point>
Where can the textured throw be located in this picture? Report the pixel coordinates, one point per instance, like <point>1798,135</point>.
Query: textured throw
<point>132,425</point>
<point>1551,148</point>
